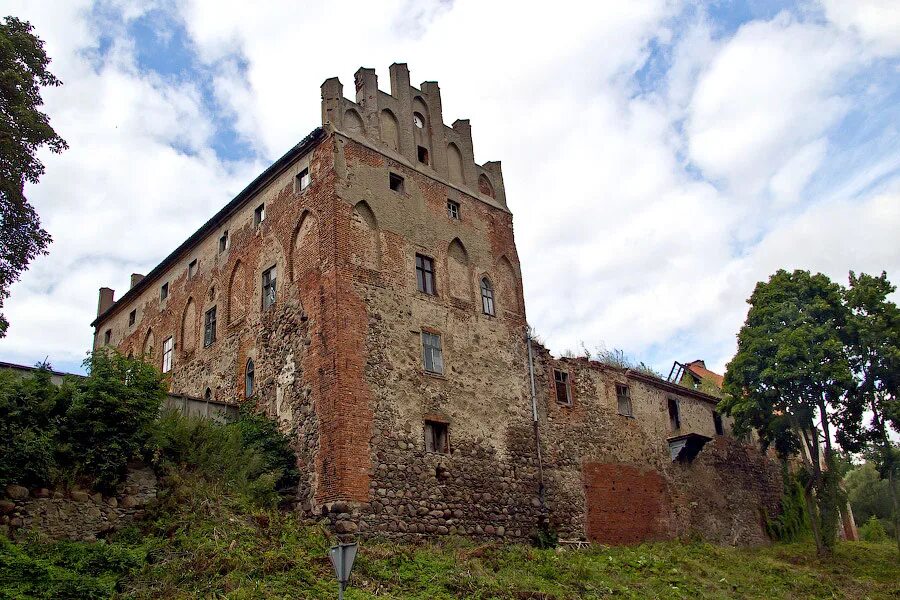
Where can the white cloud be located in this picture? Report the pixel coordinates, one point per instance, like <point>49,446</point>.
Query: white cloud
<point>876,22</point>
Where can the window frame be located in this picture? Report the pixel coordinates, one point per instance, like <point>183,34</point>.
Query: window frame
<point>269,281</point>
<point>623,392</point>
<point>168,354</point>
<point>223,242</point>
<point>192,268</point>
<point>453,210</point>
<point>426,279</point>
<point>209,327</point>
<point>302,180</point>
<point>132,317</point>
<point>566,381</point>
<point>432,355</point>
<point>437,436</point>
<point>674,419</point>
<point>488,306</point>
<point>164,291</point>
<point>396,183</point>
<point>249,378</point>
<point>259,214</point>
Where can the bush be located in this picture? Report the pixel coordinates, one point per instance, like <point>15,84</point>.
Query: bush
<point>792,523</point>
<point>873,531</point>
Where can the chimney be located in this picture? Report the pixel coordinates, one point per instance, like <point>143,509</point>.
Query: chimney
<point>106,300</point>
<point>136,279</point>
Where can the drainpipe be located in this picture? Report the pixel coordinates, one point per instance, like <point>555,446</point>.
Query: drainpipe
<point>534,417</point>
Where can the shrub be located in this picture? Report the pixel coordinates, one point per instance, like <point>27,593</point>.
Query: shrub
<point>792,523</point>
<point>873,531</point>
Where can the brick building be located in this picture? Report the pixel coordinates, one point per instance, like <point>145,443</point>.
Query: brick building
<point>365,290</point>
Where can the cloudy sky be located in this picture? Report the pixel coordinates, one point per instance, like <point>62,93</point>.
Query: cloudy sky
<point>660,157</point>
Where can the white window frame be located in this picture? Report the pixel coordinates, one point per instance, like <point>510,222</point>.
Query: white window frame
<point>432,353</point>
<point>168,354</point>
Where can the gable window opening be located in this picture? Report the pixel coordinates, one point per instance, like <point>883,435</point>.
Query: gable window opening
<point>107,336</point>
<point>487,297</point>
<point>223,242</point>
<point>132,317</point>
<point>717,422</point>
<point>249,378</point>
<point>423,155</point>
<point>303,180</point>
<point>259,215</point>
<point>164,291</point>
<point>192,269</point>
<point>563,387</point>
<point>396,182</point>
<point>425,274</point>
<point>207,395</point>
<point>674,414</point>
<point>453,210</point>
<point>168,351</point>
<point>623,398</point>
<point>437,437</point>
<point>268,288</point>
<point>209,328</point>
<point>432,353</point>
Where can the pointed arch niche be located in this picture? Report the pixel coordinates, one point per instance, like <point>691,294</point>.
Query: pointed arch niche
<point>365,241</point>
<point>458,270</point>
<point>237,293</point>
<point>189,327</point>
<point>305,247</point>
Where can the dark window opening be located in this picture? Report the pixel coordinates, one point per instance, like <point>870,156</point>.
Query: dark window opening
<point>209,328</point>
<point>107,336</point>
<point>674,414</point>
<point>425,274</point>
<point>249,376</point>
<point>563,389</point>
<point>396,182</point>
<point>164,291</point>
<point>268,288</point>
<point>132,317</point>
<point>223,242</point>
<point>453,209</point>
<point>487,297</point>
<point>623,397</point>
<point>717,421</point>
<point>192,269</point>
<point>432,353</point>
<point>207,395</point>
<point>437,437</point>
<point>259,215</point>
<point>423,155</point>
<point>303,180</point>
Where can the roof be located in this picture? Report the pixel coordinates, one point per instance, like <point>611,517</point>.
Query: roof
<point>302,147</point>
<point>17,367</point>
<point>698,368</point>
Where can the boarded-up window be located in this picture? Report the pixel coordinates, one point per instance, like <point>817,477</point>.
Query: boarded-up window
<point>623,398</point>
<point>458,270</point>
<point>437,437</point>
<point>189,327</point>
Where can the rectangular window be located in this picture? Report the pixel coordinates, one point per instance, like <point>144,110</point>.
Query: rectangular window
<point>168,348</point>
<point>453,209</point>
<point>107,336</point>
<point>303,180</point>
<point>432,354</point>
<point>674,414</point>
<point>259,215</point>
<point>268,288</point>
<point>563,390</point>
<point>164,291</point>
<point>223,242</point>
<point>396,182</point>
<point>623,396</point>
<point>437,437</point>
<point>423,155</point>
<point>425,274</point>
<point>209,328</point>
<point>132,317</point>
<point>717,422</point>
<point>192,269</point>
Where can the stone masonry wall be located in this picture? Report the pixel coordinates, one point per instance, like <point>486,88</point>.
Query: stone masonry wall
<point>75,514</point>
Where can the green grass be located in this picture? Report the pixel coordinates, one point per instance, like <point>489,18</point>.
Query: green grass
<point>201,542</point>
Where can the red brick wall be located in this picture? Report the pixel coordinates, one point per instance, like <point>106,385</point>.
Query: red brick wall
<point>625,505</point>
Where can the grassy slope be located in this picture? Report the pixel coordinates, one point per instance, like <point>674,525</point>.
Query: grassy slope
<point>202,544</point>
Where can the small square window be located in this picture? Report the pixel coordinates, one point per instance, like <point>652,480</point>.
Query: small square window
<point>223,242</point>
<point>432,353</point>
<point>259,215</point>
<point>164,291</point>
<point>563,389</point>
<point>107,336</point>
<point>453,209</point>
<point>437,437</point>
<point>209,328</point>
<point>423,155</point>
<point>623,397</point>
<point>268,288</point>
<point>303,180</point>
<point>425,275</point>
<point>132,317</point>
<point>192,269</point>
<point>396,182</point>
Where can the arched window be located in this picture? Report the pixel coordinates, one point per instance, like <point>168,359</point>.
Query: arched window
<point>487,297</point>
<point>249,379</point>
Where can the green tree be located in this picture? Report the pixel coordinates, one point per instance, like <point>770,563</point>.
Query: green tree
<point>790,374</point>
<point>23,131</point>
<point>873,410</point>
<point>868,493</point>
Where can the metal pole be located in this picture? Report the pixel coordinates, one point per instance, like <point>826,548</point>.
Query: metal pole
<point>341,590</point>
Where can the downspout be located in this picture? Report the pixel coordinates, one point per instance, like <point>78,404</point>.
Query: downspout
<point>534,417</point>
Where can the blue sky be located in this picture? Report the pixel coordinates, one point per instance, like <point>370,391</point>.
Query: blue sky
<point>660,157</point>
